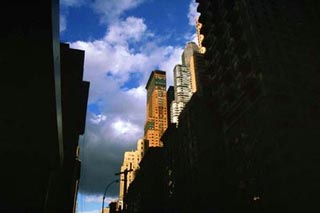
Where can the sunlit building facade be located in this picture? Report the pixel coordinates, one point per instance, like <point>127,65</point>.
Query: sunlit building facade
<point>184,77</point>
<point>182,90</point>
<point>189,50</point>
<point>131,160</point>
<point>156,118</point>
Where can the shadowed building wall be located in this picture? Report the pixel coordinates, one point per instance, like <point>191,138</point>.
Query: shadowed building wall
<point>263,59</point>
<point>38,132</point>
<point>146,192</point>
<point>75,93</point>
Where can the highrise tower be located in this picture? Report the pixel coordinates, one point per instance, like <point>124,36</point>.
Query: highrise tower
<point>156,121</point>
<point>131,160</point>
<point>184,81</point>
<point>182,90</point>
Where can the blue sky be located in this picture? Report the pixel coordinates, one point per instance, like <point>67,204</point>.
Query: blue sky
<point>124,40</point>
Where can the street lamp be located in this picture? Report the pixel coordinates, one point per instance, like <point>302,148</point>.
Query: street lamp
<point>105,192</point>
<point>125,180</point>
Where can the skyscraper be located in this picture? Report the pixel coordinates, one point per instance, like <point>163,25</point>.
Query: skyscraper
<point>45,110</point>
<point>182,90</point>
<point>184,81</point>
<point>131,160</point>
<point>197,72</point>
<point>157,120</point>
<point>190,48</point>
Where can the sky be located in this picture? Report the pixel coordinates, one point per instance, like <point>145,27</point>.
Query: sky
<point>124,41</point>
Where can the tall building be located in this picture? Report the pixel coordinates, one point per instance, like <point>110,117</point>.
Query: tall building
<point>198,74</point>
<point>182,91</point>
<point>157,119</point>
<point>263,59</point>
<point>184,81</point>
<point>147,191</point>
<point>188,51</point>
<point>44,112</point>
<point>131,160</point>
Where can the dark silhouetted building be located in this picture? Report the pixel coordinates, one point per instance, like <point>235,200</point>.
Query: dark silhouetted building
<point>193,156</point>
<point>147,191</point>
<point>113,207</point>
<point>74,93</point>
<point>263,60</point>
<point>43,110</point>
<point>170,98</point>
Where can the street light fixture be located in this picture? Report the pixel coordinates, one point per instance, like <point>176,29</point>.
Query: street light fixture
<point>105,192</point>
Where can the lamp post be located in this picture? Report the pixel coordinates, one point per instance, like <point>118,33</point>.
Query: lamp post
<point>105,192</point>
<point>125,180</point>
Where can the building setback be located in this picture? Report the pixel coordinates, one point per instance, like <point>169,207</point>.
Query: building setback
<point>131,160</point>
<point>156,119</point>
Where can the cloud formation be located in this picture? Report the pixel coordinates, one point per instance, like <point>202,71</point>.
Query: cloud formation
<point>131,29</point>
<point>127,49</point>
<point>111,10</point>
<point>193,14</point>
<point>91,211</point>
<point>64,5</point>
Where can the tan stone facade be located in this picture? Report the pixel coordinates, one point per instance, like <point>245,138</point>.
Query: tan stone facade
<point>156,118</point>
<point>131,160</point>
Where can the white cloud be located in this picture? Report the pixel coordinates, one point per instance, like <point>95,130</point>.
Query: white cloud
<point>127,48</point>
<point>191,36</point>
<point>193,14</point>
<point>121,127</point>
<point>112,54</point>
<point>91,211</point>
<point>96,119</point>
<point>131,29</point>
<point>93,198</point>
<point>138,93</point>
<point>111,10</point>
<point>98,199</point>
<point>194,38</point>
